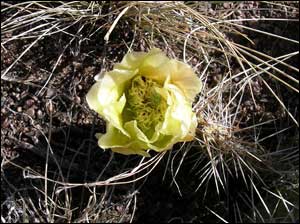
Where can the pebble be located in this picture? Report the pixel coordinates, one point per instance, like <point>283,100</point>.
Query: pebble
<point>26,119</point>
<point>76,65</point>
<point>31,112</point>
<point>49,107</point>
<point>258,108</point>
<point>77,100</point>
<point>264,100</point>
<point>248,103</point>
<point>35,139</point>
<point>238,12</point>
<point>5,123</point>
<point>226,5</point>
<point>19,109</point>
<point>236,79</point>
<point>39,114</point>
<point>29,102</point>
<point>50,93</point>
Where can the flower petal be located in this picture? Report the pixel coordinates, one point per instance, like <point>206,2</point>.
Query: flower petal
<point>112,113</point>
<point>155,66</point>
<point>134,60</point>
<point>158,143</point>
<point>131,61</point>
<point>118,142</point>
<point>183,76</point>
<point>164,142</point>
<point>92,97</point>
<point>130,151</point>
<point>106,96</point>
<point>113,84</point>
<point>179,119</point>
<point>135,132</point>
<point>112,138</point>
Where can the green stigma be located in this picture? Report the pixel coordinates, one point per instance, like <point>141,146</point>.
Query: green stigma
<point>144,103</point>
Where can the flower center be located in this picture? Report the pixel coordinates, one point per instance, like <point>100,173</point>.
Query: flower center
<point>144,103</point>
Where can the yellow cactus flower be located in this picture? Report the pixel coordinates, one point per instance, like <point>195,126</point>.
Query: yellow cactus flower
<point>147,103</point>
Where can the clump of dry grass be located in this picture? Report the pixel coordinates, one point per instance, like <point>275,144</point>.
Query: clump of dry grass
<point>228,147</point>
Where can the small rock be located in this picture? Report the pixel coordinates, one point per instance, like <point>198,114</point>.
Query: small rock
<point>50,93</point>
<point>264,100</point>
<point>49,107</point>
<point>29,102</point>
<point>226,5</point>
<point>26,119</point>
<point>212,12</point>
<point>8,35</point>
<point>120,208</point>
<point>5,123</point>
<point>31,112</point>
<point>35,139</point>
<point>76,65</point>
<point>238,12</point>
<point>258,108</point>
<point>39,114</point>
<point>19,109</point>
<point>77,100</point>
<point>236,79</point>
<point>247,103</point>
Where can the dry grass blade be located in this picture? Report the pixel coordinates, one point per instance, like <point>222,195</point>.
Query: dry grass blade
<point>222,219</point>
<point>27,49</point>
